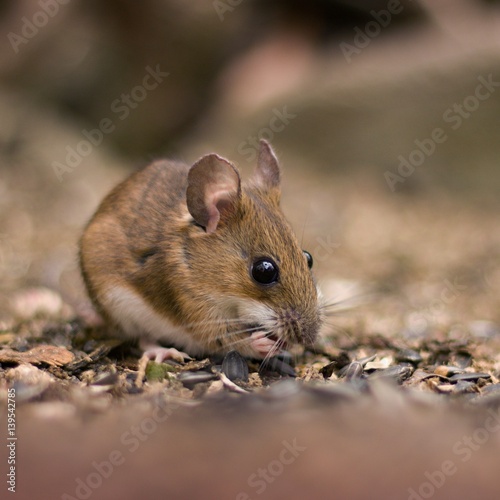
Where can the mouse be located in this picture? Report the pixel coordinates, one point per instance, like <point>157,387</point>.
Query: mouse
<point>191,257</point>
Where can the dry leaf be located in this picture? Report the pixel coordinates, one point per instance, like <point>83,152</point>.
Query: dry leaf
<point>49,354</point>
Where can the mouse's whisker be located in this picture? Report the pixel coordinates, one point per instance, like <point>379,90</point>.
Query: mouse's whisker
<point>238,332</point>
<point>267,359</point>
<point>203,328</point>
<point>328,320</point>
<point>275,349</point>
<point>196,324</point>
<point>341,331</point>
<point>338,305</point>
<point>246,339</point>
<point>336,314</point>
<point>234,343</point>
<point>348,302</point>
<point>245,330</point>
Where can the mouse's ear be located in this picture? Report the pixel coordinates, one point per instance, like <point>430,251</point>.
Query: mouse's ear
<point>213,192</point>
<point>267,173</point>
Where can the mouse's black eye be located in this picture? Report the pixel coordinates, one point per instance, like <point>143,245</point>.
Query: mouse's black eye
<point>265,271</point>
<point>309,258</point>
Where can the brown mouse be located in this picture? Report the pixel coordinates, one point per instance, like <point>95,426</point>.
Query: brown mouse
<point>192,257</point>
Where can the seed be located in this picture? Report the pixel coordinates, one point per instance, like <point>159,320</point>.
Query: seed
<point>409,355</point>
<point>190,379</point>
<point>353,371</point>
<point>469,376</point>
<point>235,367</point>
<point>399,373</point>
<point>281,367</point>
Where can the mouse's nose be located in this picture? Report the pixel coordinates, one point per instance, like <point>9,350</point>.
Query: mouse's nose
<point>291,321</point>
<point>303,326</point>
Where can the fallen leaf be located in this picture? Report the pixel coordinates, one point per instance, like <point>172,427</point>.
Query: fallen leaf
<point>49,354</point>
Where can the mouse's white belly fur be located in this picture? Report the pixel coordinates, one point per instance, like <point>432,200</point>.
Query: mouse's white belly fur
<point>137,318</point>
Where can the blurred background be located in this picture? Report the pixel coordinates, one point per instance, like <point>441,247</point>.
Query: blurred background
<point>384,113</point>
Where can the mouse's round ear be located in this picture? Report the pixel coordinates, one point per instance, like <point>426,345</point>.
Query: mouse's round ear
<point>213,191</point>
<point>268,172</point>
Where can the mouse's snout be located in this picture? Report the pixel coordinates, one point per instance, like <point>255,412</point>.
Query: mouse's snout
<point>299,327</point>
